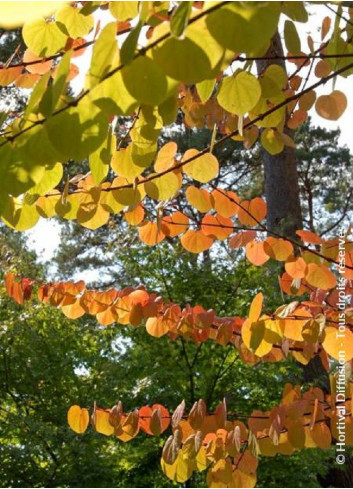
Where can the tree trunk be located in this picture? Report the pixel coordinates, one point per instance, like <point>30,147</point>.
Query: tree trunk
<point>281,177</point>
<point>284,216</point>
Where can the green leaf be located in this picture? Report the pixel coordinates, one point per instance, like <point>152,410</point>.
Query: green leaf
<point>19,216</point>
<point>164,187</point>
<point>100,159</point>
<point>105,52</point>
<point>168,109</point>
<point>257,334</point>
<point>43,38</point>
<point>17,175</point>
<point>54,91</point>
<point>291,38</point>
<point>33,103</point>
<point>295,10</point>
<point>112,97</point>
<point>129,45</point>
<point>145,81</point>
<point>35,147</point>
<point>244,26</point>
<point>205,89</point>
<point>78,131</point>
<point>338,45</point>
<point>274,119</point>
<point>144,8</point>
<point>73,23</point>
<point>180,18</point>
<point>159,8</point>
<point>50,180</point>
<point>132,161</point>
<point>271,142</point>
<point>192,59</point>
<point>239,93</point>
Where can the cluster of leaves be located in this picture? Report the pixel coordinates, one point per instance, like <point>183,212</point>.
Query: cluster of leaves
<point>56,127</point>
<point>229,449</point>
<point>50,363</point>
<point>302,329</point>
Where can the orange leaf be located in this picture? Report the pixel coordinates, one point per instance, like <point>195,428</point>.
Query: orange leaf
<point>322,69</point>
<point>150,234</point>
<point>199,198</point>
<point>241,239</point>
<point>76,47</point>
<point>146,416</point>
<point>27,80</point>
<point>321,436</point>
<point>73,311</point>
<point>252,211</point>
<point>13,288</point>
<point>9,75</point>
<point>156,327</point>
<point>135,216</point>
<point>331,106</point>
<point>130,426</point>
<point>166,157</point>
<point>225,202</point>
<point>255,253</point>
<point>307,100</point>
<point>100,421</point>
<point>296,268</point>
<point>279,249</point>
<point>217,226</point>
<point>37,68</point>
<point>320,276</point>
<point>325,27</point>
<point>160,419</point>
<point>288,285</point>
<point>175,224</point>
<point>297,119</point>
<point>309,237</point>
<point>196,241</point>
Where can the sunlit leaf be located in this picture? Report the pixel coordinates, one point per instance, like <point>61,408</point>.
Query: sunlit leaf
<point>78,419</point>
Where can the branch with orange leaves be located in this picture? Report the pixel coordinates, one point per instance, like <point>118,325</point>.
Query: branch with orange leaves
<point>302,330</point>
<point>219,441</point>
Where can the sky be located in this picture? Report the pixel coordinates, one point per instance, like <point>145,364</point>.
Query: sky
<point>45,237</point>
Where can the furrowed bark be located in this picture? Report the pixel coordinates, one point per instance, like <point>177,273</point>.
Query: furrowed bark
<point>281,177</point>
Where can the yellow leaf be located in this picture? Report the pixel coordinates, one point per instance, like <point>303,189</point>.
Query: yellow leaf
<point>256,307</point>
<point>199,198</point>
<point>180,470</point>
<point>320,276</point>
<point>338,344</point>
<point>101,422</point>
<point>78,419</point>
<point>15,14</point>
<point>203,168</point>
<point>165,157</point>
<point>163,187</point>
<point>43,38</point>
<point>239,93</point>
